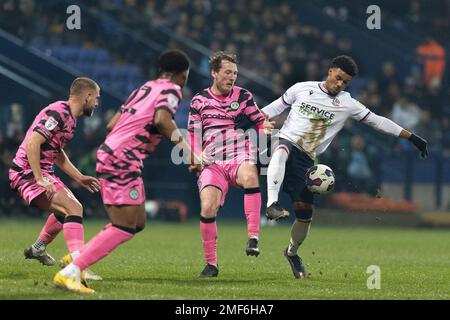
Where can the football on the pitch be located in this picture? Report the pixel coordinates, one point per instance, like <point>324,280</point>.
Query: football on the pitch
<point>320,179</point>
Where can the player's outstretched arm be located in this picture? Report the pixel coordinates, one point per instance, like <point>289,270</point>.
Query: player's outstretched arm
<point>88,182</point>
<point>168,129</point>
<point>33,150</point>
<point>275,108</point>
<point>388,126</point>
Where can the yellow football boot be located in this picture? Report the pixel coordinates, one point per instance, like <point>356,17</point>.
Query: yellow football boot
<point>85,275</point>
<point>65,261</point>
<point>71,283</point>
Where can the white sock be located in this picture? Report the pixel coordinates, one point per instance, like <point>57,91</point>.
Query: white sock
<point>75,255</point>
<point>39,245</point>
<point>299,232</point>
<point>71,271</point>
<point>275,174</point>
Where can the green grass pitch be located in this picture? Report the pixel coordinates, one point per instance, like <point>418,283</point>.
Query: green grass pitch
<point>163,262</point>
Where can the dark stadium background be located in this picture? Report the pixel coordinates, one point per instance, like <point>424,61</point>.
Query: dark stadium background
<point>278,43</point>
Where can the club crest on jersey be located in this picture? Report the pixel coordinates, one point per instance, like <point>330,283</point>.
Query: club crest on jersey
<point>134,194</point>
<point>172,100</point>
<point>234,105</point>
<point>51,124</point>
<point>335,102</point>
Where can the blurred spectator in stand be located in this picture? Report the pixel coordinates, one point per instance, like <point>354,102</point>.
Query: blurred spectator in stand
<point>434,97</point>
<point>406,113</point>
<point>414,13</point>
<point>388,76</point>
<point>14,127</point>
<point>432,56</point>
<point>328,44</point>
<point>340,12</point>
<point>428,127</point>
<point>359,168</point>
<point>445,129</point>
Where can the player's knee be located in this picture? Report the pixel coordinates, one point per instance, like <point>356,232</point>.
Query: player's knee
<point>74,209</point>
<point>303,211</point>
<point>302,205</point>
<point>304,215</point>
<point>127,229</point>
<point>209,209</point>
<point>78,209</point>
<point>250,180</point>
<point>60,217</point>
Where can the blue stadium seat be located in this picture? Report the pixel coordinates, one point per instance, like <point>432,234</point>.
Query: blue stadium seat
<point>67,54</point>
<point>102,56</point>
<point>85,67</point>
<point>87,55</point>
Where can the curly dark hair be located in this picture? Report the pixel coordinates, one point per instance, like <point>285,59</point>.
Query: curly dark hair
<point>215,61</point>
<point>173,61</point>
<point>346,63</point>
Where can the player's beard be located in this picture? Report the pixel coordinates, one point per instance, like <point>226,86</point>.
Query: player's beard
<point>334,93</point>
<point>88,112</point>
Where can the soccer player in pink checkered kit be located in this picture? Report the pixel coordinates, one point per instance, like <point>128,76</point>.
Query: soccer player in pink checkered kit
<point>217,120</point>
<point>32,177</point>
<point>136,130</point>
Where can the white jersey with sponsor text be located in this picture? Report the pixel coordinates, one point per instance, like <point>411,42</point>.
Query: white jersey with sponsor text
<point>316,117</point>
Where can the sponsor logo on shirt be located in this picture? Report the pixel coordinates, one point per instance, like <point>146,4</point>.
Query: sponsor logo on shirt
<point>316,113</point>
<point>216,116</point>
<point>51,124</point>
<point>234,105</point>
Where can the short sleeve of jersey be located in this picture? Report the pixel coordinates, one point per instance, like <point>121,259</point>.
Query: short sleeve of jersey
<point>290,95</point>
<point>49,124</point>
<point>252,110</point>
<point>169,99</point>
<point>195,120</point>
<point>358,110</point>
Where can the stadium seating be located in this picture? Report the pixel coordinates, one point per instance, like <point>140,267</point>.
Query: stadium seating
<point>97,63</point>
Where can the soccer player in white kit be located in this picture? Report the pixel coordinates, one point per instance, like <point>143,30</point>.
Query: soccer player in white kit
<point>318,112</point>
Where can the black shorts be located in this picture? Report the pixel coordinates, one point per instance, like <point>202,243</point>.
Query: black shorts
<point>294,183</point>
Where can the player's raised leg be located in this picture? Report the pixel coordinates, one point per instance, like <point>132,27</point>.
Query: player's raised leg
<point>275,177</point>
<point>210,199</point>
<point>247,178</point>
